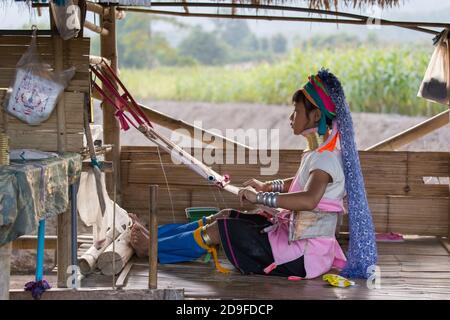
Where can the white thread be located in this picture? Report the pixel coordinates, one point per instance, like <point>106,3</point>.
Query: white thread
<point>167,183</point>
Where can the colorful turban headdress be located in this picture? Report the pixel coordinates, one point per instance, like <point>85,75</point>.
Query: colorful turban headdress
<point>326,93</point>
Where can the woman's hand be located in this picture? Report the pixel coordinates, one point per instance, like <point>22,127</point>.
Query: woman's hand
<point>257,185</point>
<point>247,193</point>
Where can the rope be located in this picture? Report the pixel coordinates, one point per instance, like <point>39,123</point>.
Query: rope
<point>167,184</point>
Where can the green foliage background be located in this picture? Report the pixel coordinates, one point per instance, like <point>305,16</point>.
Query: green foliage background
<point>375,79</point>
<point>231,64</point>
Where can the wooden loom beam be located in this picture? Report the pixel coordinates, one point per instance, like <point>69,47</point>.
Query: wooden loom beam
<point>168,122</point>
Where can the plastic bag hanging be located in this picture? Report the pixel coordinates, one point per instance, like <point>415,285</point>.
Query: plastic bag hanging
<point>35,88</point>
<point>436,83</point>
<point>67,16</point>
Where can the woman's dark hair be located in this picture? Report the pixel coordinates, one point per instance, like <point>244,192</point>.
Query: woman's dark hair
<point>299,96</point>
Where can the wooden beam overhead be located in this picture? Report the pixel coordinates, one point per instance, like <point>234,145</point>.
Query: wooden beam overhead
<point>362,20</point>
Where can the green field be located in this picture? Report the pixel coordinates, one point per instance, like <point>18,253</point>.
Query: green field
<point>375,80</point>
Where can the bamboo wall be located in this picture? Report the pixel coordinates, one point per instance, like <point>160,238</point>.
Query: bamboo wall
<point>398,197</point>
<point>75,52</point>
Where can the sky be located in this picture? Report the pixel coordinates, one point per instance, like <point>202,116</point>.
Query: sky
<point>413,10</point>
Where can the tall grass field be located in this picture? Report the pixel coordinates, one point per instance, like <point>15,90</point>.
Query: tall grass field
<point>382,80</point>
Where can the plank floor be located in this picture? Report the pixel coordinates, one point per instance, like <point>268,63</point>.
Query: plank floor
<point>418,268</point>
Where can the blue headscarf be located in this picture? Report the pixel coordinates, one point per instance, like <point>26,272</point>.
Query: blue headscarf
<point>362,251</point>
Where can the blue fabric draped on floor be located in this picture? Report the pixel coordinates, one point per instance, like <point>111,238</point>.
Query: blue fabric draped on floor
<point>176,243</point>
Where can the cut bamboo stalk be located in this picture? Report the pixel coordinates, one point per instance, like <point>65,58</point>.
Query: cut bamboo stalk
<point>98,60</point>
<point>123,253</point>
<point>414,133</point>
<point>88,261</point>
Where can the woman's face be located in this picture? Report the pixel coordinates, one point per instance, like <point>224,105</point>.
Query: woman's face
<point>299,121</point>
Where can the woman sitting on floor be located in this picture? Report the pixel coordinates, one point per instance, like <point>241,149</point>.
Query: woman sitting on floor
<point>299,240</point>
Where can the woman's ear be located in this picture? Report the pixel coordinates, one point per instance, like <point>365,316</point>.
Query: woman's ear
<point>317,115</point>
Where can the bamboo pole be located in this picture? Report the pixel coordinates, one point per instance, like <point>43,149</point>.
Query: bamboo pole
<point>153,238</point>
<point>402,24</point>
<point>64,224</point>
<point>111,129</point>
<point>94,7</point>
<point>94,28</point>
<point>414,133</point>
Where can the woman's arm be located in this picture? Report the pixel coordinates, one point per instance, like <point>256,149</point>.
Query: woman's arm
<point>267,186</point>
<point>296,201</point>
<point>310,197</point>
<point>287,184</point>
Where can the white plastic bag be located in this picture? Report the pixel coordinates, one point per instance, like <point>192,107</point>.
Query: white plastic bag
<point>436,83</point>
<point>67,16</point>
<point>35,89</point>
<point>90,211</point>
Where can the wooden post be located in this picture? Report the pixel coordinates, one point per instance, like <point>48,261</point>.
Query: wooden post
<point>153,238</point>
<point>64,227</point>
<point>5,268</point>
<point>448,231</point>
<point>448,95</point>
<point>111,129</point>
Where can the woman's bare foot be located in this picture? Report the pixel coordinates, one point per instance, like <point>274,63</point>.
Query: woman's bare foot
<point>139,240</point>
<point>137,221</point>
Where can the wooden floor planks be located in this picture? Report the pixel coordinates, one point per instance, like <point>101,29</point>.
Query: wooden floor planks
<point>418,268</point>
